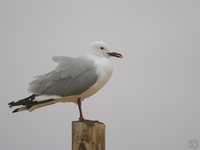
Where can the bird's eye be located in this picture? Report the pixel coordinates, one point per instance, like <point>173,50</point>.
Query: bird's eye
<point>102,48</point>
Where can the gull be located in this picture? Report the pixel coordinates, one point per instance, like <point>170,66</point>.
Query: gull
<point>73,80</point>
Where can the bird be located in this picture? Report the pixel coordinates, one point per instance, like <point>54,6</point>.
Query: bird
<point>73,79</point>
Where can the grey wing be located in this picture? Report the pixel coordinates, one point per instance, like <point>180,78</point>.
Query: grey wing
<point>72,76</point>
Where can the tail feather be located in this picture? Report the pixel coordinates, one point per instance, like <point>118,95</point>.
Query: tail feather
<point>30,103</point>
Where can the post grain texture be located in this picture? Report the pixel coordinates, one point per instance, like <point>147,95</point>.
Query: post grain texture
<point>89,135</point>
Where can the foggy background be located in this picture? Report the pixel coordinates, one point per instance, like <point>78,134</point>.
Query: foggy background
<point>153,98</point>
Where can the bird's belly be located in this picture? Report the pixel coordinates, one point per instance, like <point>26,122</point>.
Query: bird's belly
<point>104,75</point>
<point>91,91</point>
<point>96,87</point>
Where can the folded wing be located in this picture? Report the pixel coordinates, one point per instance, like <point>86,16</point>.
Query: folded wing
<point>72,76</point>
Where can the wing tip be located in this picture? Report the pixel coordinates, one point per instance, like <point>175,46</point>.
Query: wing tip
<point>11,104</point>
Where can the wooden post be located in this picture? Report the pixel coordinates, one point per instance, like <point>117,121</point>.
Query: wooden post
<point>88,135</point>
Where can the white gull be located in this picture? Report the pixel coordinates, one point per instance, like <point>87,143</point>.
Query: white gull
<point>73,80</point>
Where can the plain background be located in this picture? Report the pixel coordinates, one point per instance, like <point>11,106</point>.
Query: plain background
<point>153,98</point>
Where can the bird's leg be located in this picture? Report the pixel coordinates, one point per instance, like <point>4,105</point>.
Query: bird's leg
<point>80,110</point>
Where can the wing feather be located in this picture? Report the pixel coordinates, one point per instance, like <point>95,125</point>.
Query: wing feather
<point>71,77</point>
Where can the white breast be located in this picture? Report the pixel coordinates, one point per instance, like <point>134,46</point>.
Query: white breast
<point>104,71</point>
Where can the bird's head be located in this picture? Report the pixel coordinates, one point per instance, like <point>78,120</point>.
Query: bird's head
<point>101,49</point>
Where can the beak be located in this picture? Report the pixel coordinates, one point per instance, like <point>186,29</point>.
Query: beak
<point>114,54</point>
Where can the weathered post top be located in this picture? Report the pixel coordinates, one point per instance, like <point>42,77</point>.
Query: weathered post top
<point>88,135</point>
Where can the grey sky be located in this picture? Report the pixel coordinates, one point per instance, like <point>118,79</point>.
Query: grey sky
<point>152,100</point>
